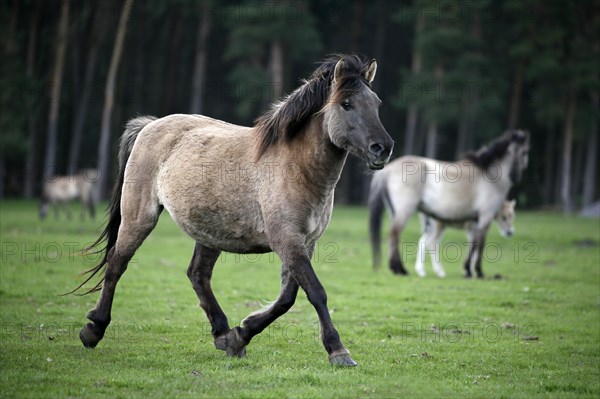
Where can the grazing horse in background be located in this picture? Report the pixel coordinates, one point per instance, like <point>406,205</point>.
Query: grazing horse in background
<point>432,230</point>
<point>470,190</point>
<point>60,190</point>
<point>245,190</point>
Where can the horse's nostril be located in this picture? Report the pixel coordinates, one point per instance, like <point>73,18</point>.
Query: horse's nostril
<point>376,149</point>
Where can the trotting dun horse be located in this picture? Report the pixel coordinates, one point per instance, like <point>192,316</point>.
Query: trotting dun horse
<point>60,190</point>
<point>472,189</point>
<point>245,190</point>
<point>432,230</point>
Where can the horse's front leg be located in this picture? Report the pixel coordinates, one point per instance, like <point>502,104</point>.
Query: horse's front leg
<point>476,242</point>
<point>236,341</point>
<point>298,261</point>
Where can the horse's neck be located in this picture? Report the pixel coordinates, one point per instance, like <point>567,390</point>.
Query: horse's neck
<point>505,180</point>
<point>321,162</point>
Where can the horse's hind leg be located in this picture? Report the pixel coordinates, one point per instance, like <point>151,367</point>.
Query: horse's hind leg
<point>135,226</point>
<point>396,264</point>
<point>200,272</point>
<point>434,244</point>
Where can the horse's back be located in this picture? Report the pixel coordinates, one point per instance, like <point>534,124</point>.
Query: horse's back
<point>61,188</point>
<point>194,167</point>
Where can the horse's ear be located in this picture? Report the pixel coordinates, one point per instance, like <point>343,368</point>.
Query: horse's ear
<point>513,203</point>
<point>370,71</point>
<point>339,70</point>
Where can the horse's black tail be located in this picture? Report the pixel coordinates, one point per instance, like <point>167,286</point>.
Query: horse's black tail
<point>111,230</point>
<point>376,208</point>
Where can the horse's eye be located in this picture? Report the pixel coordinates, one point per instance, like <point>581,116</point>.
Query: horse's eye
<point>347,105</point>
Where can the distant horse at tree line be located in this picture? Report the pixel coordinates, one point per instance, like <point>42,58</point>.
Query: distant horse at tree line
<point>59,191</point>
<point>175,163</point>
<point>470,190</point>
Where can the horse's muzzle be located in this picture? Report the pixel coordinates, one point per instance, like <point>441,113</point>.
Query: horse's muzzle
<point>379,154</point>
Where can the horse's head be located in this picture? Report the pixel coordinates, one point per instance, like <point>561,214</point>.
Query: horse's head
<point>519,150</point>
<point>505,218</point>
<point>351,116</point>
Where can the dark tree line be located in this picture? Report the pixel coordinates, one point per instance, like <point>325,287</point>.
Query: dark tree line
<point>452,75</point>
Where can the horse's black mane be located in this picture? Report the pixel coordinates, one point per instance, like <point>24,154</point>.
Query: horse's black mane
<point>286,119</point>
<point>488,154</point>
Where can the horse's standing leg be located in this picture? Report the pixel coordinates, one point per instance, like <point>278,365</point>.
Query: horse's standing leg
<point>471,243</point>
<point>476,238</point>
<point>395,259</point>
<point>200,273</point>
<point>82,213</point>
<point>298,261</point>
<point>135,226</point>
<point>421,252</point>
<point>434,246</point>
<point>91,208</point>
<point>256,322</point>
<point>480,240</point>
<point>296,270</point>
<point>67,209</point>
<point>56,206</point>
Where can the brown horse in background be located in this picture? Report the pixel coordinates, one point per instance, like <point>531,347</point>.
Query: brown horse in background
<point>245,190</point>
<point>61,190</point>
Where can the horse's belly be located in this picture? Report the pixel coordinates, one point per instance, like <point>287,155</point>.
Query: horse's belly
<point>238,230</point>
<point>450,203</point>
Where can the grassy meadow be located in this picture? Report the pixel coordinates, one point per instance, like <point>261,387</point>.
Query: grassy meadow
<point>531,328</point>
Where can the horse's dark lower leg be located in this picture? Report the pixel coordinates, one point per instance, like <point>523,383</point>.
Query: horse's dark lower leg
<point>200,273</point>
<point>473,261</point>
<point>396,264</point>
<point>93,332</point>
<point>67,211</point>
<point>304,274</point>
<point>479,256</point>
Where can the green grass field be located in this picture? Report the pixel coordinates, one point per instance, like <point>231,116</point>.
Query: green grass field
<point>534,332</point>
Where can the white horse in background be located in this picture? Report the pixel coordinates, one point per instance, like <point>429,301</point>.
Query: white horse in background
<point>469,190</point>
<point>60,190</point>
<point>432,230</point>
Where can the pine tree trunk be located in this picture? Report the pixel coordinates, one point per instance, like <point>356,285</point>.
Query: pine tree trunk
<point>412,116</point>
<point>56,84</point>
<point>471,100</point>
<point>379,52</point>
<point>98,33</point>
<point>432,125</point>
<point>204,28</point>
<point>565,191</point>
<point>171,65</point>
<point>30,161</point>
<point>549,162</point>
<point>276,68</point>
<point>591,159</point>
<point>104,143</point>
<point>515,97</point>
<point>431,145</point>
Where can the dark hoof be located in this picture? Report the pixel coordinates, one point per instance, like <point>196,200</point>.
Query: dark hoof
<point>232,343</point>
<point>90,335</point>
<point>341,358</point>
<point>397,268</point>
<point>221,342</point>
<point>468,275</point>
<point>480,276</point>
